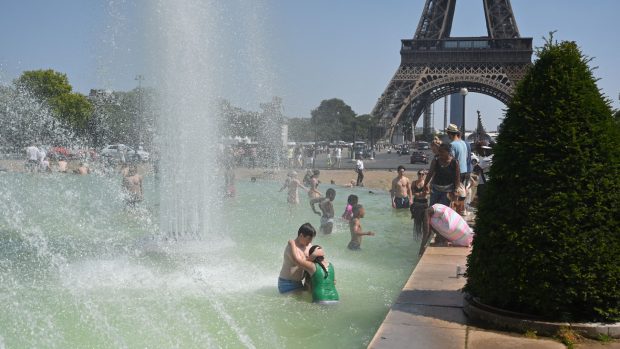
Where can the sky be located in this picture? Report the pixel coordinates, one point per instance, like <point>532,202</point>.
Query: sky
<point>310,50</point>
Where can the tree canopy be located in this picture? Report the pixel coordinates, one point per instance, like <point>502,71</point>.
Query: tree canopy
<point>54,89</point>
<point>45,84</point>
<point>334,120</point>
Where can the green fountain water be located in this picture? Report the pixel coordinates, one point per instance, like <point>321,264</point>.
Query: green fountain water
<point>79,269</point>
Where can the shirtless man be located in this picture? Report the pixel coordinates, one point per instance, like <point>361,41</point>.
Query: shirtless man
<point>292,183</point>
<point>62,164</point>
<point>132,183</point>
<point>82,169</point>
<point>401,190</point>
<point>327,210</point>
<point>292,274</point>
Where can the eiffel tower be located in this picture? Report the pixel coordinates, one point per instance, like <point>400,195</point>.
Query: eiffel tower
<point>434,64</point>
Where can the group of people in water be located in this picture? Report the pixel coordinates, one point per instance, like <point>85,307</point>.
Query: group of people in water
<point>37,160</point>
<point>305,266</point>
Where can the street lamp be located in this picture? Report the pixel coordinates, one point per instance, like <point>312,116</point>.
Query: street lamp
<point>139,78</point>
<point>463,93</point>
<point>316,141</point>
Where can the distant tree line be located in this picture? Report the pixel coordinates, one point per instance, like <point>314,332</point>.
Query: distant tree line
<point>334,120</point>
<point>41,107</point>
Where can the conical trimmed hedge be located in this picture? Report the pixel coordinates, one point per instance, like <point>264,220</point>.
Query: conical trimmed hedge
<point>547,230</point>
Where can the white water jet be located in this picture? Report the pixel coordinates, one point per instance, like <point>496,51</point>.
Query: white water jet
<point>187,82</point>
<point>199,51</point>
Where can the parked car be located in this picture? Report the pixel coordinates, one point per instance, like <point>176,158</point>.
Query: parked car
<point>418,156</point>
<point>361,150</point>
<point>403,150</point>
<point>422,145</point>
<point>116,151</point>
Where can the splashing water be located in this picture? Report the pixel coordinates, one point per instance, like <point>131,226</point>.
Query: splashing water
<point>80,269</point>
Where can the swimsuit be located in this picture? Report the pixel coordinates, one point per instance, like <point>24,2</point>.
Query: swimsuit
<point>285,285</point>
<point>324,289</point>
<point>348,213</point>
<point>353,245</point>
<point>325,220</point>
<point>402,202</point>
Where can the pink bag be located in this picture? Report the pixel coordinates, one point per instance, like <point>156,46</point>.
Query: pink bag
<point>451,225</point>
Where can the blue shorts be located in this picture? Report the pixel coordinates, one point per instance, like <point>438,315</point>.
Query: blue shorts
<point>285,286</point>
<point>354,246</point>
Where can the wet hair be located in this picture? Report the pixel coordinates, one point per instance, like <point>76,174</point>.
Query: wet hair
<point>330,193</point>
<point>401,167</point>
<point>318,259</point>
<point>356,209</point>
<point>307,230</point>
<point>352,199</point>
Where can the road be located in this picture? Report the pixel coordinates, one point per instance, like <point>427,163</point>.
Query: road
<point>382,161</point>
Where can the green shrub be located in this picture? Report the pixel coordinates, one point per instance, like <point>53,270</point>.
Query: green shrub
<point>547,231</point>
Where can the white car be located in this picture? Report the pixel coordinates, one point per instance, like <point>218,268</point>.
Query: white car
<point>117,151</point>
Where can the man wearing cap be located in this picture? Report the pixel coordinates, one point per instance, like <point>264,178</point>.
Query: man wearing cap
<point>462,152</point>
<point>401,190</point>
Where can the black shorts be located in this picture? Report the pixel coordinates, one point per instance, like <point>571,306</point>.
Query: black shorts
<point>402,202</point>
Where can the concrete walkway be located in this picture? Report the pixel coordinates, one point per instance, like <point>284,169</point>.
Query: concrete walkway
<point>428,314</point>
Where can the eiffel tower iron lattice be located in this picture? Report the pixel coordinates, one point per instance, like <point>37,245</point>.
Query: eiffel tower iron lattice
<point>434,64</point>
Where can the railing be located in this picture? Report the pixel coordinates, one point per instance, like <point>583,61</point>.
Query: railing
<point>452,44</point>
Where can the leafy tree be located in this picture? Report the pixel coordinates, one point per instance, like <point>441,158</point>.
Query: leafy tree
<point>54,89</point>
<point>334,120</point>
<point>45,84</point>
<point>548,225</point>
<point>300,130</point>
<point>617,116</point>
<point>123,117</point>
<point>236,121</point>
<point>74,108</point>
<point>25,120</point>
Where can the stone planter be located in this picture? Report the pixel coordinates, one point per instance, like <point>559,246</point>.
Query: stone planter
<point>503,319</point>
